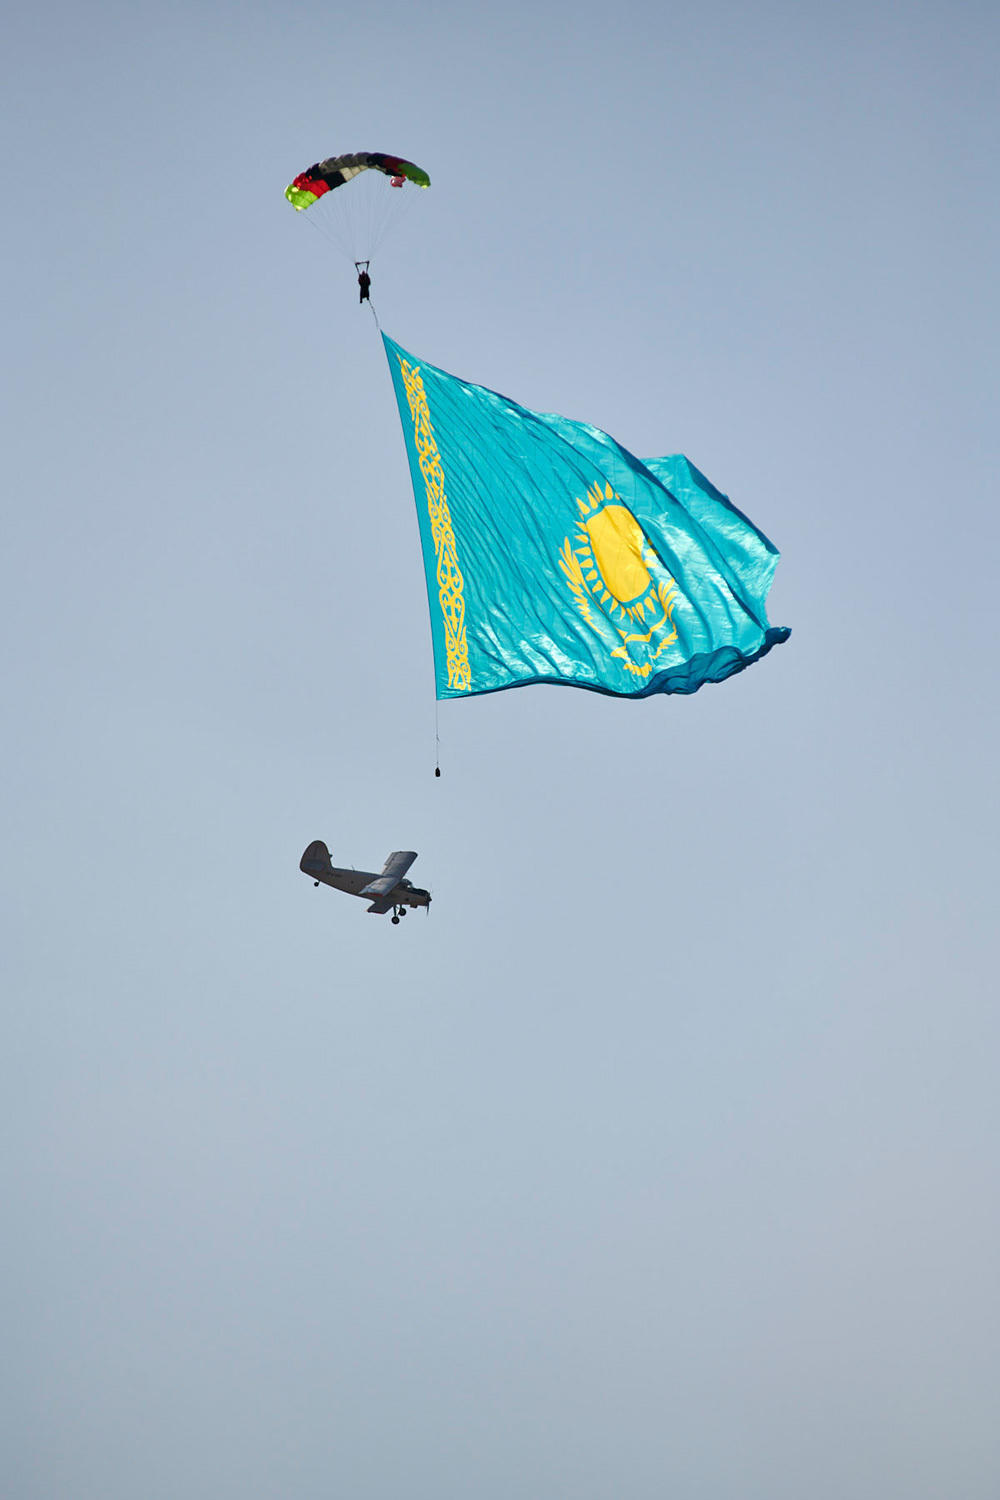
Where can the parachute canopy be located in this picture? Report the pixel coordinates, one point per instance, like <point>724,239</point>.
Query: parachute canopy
<point>323,176</point>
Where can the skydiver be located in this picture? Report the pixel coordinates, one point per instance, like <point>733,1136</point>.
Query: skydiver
<point>364,280</point>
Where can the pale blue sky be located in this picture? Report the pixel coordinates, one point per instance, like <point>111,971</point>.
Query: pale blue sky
<point>660,1160</point>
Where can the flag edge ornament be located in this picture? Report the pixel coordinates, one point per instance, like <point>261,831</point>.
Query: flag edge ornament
<point>450,583</point>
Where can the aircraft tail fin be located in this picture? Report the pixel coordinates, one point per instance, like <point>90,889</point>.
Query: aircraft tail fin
<point>316,861</point>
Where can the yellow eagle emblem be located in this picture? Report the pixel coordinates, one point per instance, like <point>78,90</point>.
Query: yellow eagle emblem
<point>619,582</point>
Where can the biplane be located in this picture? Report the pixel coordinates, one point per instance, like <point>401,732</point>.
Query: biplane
<point>386,892</point>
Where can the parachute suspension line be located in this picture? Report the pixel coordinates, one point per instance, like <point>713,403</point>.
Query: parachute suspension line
<point>323,233</point>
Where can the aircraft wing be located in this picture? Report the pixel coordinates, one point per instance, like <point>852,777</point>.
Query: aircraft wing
<point>393,871</point>
<point>379,907</point>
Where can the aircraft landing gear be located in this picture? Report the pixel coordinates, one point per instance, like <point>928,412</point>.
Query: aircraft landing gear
<point>397,912</point>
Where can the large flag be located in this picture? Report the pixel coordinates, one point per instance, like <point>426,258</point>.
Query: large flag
<point>552,554</point>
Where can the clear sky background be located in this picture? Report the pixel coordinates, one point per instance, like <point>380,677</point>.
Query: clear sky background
<point>660,1159</point>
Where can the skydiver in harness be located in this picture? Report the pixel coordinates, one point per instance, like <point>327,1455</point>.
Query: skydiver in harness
<point>364,280</point>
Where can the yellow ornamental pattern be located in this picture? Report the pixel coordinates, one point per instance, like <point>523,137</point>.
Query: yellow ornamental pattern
<point>450,583</point>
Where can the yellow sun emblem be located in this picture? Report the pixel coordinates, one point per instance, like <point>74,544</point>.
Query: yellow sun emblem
<point>611,568</point>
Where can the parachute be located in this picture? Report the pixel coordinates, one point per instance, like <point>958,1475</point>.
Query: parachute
<point>356,220</point>
<point>324,176</point>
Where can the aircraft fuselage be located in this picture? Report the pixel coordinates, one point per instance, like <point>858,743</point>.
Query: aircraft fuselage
<point>354,882</point>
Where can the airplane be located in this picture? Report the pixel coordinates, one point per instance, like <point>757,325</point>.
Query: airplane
<point>389,891</point>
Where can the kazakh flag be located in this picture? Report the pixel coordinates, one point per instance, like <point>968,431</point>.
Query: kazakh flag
<point>553,555</point>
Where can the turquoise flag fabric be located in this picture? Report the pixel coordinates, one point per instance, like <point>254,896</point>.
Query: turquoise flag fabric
<point>552,554</point>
